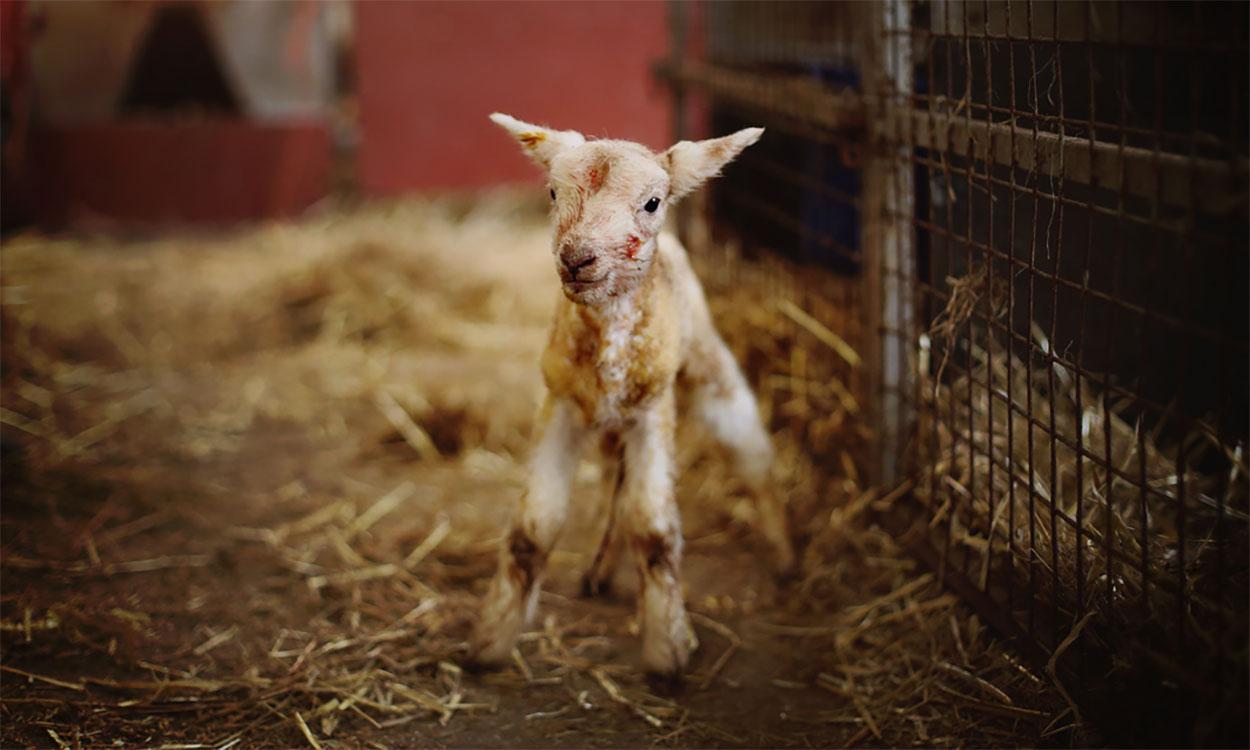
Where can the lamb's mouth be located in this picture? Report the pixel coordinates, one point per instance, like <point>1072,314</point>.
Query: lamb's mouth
<point>583,285</point>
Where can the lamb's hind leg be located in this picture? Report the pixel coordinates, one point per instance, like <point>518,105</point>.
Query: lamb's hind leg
<point>513,591</point>
<point>724,403</point>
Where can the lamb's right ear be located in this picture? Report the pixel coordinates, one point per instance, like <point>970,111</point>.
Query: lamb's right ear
<point>541,144</point>
<point>690,164</point>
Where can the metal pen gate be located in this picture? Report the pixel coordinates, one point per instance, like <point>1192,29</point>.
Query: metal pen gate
<point>1031,220</point>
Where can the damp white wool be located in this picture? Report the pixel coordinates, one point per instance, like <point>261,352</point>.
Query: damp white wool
<point>632,326</point>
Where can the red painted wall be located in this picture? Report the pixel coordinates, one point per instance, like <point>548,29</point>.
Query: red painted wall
<point>213,170</point>
<point>429,73</point>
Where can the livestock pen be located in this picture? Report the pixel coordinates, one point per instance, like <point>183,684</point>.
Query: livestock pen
<point>1051,268</point>
<point>986,271</point>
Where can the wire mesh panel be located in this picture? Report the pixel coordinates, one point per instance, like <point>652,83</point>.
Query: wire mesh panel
<point>1080,391</point>
<point>787,258</point>
<point>1038,213</point>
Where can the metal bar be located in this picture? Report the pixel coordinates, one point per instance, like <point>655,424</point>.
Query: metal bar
<point>1109,341</point>
<point>889,250</point>
<point>1218,186</point>
<point>1188,294</point>
<point>898,240</point>
<point>799,97</point>
<point>872,229</point>
<point>948,526</point>
<point>924,35</point>
<point>989,338</point>
<point>797,178</point>
<point>1032,276</point>
<point>1155,222</point>
<point>1062,21</point>
<point>927,287</point>
<point>965,140</point>
<point>1145,335</point>
<point>1051,337</point>
<point>1011,308</point>
<point>1180,324</point>
<point>900,279</point>
<point>1053,123</point>
<point>781,218</point>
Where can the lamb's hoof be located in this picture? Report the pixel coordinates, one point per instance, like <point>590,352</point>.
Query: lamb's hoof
<point>786,575</point>
<point>785,564</point>
<point>474,665</point>
<point>664,658</point>
<point>485,656</point>
<point>593,586</point>
<point>666,684</point>
<point>477,663</point>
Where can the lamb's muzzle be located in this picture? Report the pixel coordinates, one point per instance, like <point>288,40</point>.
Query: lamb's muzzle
<point>574,259</point>
<point>632,319</point>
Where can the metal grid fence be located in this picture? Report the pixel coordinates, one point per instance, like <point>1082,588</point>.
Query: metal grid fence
<point>1039,212</point>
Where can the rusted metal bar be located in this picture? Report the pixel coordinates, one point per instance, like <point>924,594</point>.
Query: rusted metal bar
<point>1109,22</point>
<point>889,248</point>
<point>800,98</point>
<point>1217,186</point>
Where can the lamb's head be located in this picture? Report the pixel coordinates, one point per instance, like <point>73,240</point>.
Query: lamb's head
<point>610,198</point>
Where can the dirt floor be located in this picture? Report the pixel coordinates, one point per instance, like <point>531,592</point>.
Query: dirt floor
<point>254,484</point>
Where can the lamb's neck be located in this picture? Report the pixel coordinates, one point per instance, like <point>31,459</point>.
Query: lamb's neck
<point>623,314</point>
<point>617,316</point>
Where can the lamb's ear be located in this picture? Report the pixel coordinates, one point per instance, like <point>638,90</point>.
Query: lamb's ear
<point>541,144</point>
<point>691,163</point>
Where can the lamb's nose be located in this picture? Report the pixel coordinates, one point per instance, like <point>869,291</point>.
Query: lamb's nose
<point>574,263</point>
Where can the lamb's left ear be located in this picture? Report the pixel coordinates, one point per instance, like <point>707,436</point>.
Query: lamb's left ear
<point>541,144</point>
<point>690,164</point>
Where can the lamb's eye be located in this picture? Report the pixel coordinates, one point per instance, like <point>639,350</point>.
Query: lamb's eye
<point>553,194</point>
<point>651,205</point>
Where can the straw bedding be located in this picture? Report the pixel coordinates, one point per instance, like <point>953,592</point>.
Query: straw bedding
<point>254,483</point>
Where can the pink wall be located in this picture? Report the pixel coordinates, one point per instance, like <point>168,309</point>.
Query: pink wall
<point>429,73</point>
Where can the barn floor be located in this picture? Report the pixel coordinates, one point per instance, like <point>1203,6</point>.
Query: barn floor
<point>253,485</point>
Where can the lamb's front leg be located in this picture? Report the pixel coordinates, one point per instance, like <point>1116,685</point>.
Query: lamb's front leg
<point>513,592</point>
<point>654,527</point>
